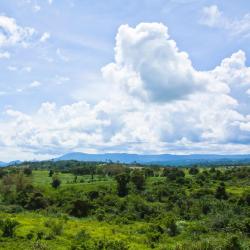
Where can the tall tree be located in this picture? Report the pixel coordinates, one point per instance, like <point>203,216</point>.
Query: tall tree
<point>122,184</point>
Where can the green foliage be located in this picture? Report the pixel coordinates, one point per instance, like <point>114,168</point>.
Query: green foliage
<point>122,184</point>
<point>56,226</point>
<point>116,206</point>
<point>27,171</point>
<point>193,171</point>
<point>221,193</point>
<point>37,201</point>
<point>138,179</point>
<point>56,182</point>
<point>233,244</point>
<point>80,208</point>
<point>51,173</point>
<point>8,227</point>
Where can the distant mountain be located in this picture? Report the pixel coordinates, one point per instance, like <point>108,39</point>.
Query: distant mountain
<point>11,163</point>
<point>2,164</point>
<point>162,159</point>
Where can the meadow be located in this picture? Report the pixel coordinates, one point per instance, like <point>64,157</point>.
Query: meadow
<point>73,205</point>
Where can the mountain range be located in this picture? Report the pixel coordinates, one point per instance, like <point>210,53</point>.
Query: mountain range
<point>161,159</point>
<point>11,163</point>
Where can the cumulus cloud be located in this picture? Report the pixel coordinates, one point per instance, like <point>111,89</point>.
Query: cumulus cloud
<point>12,34</point>
<point>213,17</point>
<point>157,103</point>
<point>149,65</point>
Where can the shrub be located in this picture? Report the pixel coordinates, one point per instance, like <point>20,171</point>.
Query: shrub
<point>56,182</point>
<point>27,171</point>
<point>37,201</point>
<point>51,173</point>
<point>38,245</point>
<point>193,171</point>
<point>221,192</point>
<point>82,241</point>
<point>110,244</point>
<point>29,236</point>
<point>233,244</point>
<point>56,226</point>
<point>8,227</point>
<point>80,208</point>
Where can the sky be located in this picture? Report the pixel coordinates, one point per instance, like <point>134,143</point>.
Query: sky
<point>146,77</point>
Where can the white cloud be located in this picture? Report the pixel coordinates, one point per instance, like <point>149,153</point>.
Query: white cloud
<point>61,55</point>
<point>35,84</point>
<point>12,68</point>
<point>4,55</point>
<point>213,17</point>
<point>50,1</point>
<point>149,65</point>
<point>36,8</point>
<point>12,34</point>
<point>45,37</point>
<point>59,80</point>
<point>27,69</point>
<point>157,102</point>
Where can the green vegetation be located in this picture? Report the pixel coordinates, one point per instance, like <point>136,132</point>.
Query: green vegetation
<point>73,205</point>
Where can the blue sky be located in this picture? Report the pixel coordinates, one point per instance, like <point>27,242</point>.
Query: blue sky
<point>64,87</point>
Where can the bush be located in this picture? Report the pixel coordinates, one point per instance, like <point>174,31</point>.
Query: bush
<point>38,245</point>
<point>27,171</point>
<point>193,171</point>
<point>221,192</point>
<point>107,244</point>
<point>80,208</point>
<point>8,227</point>
<point>56,226</point>
<point>56,182</point>
<point>233,244</point>
<point>37,201</point>
<point>82,241</point>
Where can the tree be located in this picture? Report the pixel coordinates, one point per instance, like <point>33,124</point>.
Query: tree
<point>51,173</point>
<point>122,183</point>
<point>173,173</point>
<point>56,182</point>
<point>80,208</point>
<point>37,201</point>
<point>137,177</point>
<point>2,173</point>
<point>193,171</point>
<point>221,193</point>
<point>27,171</point>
